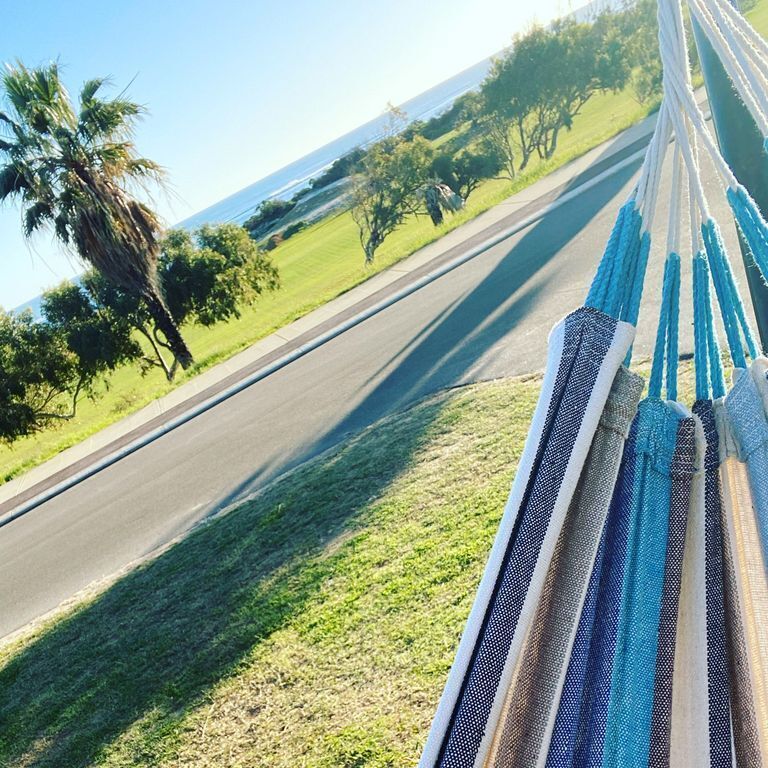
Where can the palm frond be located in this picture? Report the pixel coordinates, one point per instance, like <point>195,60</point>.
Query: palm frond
<point>12,181</point>
<point>35,216</point>
<point>101,119</point>
<point>89,90</point>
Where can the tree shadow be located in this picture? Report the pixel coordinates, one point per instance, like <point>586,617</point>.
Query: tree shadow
<point>151,646</point>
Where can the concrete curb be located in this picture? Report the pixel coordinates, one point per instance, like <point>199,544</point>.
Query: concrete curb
<point>316,342</point>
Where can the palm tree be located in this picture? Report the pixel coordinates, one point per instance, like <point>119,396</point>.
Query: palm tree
<point>73,170</point>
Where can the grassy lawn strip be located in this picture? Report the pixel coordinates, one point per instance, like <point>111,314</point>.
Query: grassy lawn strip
<point>313,626</point>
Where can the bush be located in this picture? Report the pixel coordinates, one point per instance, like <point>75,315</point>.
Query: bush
<point>292,229</point>
<point>339,169</point>
<point>273,241</point>
<point>268,212</point>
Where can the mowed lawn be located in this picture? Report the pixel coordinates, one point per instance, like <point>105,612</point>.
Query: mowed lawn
<point>313,626</point>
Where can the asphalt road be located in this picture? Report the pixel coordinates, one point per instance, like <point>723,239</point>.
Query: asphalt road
<point>488,318</point>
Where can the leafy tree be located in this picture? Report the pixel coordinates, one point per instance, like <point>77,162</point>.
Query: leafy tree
<point>465,171</point>
<point>539,86</point>
<point>46,367</point>
<point>228,271</point>
<point>37,375</point>
<point>100,336</point>
<point>387,188</point>
<point>293,229</point>
<point>73,169</point>
<point>639,28</point>
<point>640,32</point>
<point>463,108</point>
<point>206,278</point>
<point>339,169</point>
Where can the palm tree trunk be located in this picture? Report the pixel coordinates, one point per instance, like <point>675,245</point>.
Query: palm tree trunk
<point>167,326</point>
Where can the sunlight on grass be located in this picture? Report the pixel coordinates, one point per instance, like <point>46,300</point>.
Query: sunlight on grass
<point>312,626</point>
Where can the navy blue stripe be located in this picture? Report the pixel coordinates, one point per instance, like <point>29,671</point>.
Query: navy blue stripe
<point>587,337</point>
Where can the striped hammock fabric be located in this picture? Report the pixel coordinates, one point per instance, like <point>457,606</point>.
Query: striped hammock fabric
<point>622,618</point>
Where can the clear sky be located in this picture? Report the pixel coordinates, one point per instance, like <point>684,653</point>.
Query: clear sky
<point>237,89</point>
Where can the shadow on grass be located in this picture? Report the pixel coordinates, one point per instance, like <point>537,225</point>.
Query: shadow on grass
<point>153,644</point>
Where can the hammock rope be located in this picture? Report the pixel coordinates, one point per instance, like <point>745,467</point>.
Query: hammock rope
<point>615,624</point>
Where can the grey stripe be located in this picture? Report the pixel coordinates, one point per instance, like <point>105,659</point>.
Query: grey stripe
<point>531,701</point>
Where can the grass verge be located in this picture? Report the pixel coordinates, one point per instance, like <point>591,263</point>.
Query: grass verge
<point>312,626</point>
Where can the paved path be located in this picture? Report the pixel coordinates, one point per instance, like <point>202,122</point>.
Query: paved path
<point>485,319</point>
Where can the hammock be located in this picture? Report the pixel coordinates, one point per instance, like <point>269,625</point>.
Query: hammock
<point>622,619</point>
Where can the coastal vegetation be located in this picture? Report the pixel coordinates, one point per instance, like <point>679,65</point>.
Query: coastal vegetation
<point>91,327</point>
<point>324,259</point>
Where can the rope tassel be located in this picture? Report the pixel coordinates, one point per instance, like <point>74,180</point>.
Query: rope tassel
<point>752,226</point>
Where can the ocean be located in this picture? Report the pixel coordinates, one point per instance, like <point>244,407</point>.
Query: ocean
<point>289,180</point>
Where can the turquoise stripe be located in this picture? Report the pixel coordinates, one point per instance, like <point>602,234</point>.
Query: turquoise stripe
<point>627,740</point>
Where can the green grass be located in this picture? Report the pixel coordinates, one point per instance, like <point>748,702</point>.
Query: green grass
<point>317,265</point>
<point>313,626</point>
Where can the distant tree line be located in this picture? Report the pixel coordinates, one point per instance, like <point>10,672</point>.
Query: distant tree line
<point>533,93</point>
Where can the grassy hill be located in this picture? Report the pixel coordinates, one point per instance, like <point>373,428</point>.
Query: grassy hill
<point>312,626</point>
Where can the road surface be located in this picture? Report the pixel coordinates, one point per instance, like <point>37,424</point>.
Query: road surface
<point>486,319</point>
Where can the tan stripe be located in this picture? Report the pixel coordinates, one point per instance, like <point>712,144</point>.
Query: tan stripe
<point>745,737</point>
<point>689,737</point>
<point>752,588</point>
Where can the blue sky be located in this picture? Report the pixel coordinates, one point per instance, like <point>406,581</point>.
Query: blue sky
<point>238,89</point>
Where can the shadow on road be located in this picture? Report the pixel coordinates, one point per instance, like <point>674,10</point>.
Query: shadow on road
<point>442,354</point>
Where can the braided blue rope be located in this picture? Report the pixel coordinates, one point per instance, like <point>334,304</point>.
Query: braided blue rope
<point>657,367</point>
<point>713,245</point>
<point>631,308</point>
<point>619,290</point>
<point>701,360</point>
<point>673,327</point>
<point>598,289</point>
<point>752,225</point>
<point>623,287</point>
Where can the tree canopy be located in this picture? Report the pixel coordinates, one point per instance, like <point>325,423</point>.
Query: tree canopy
<point>75,169</point>
<point>386,188</point>
<point>545,79</point>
